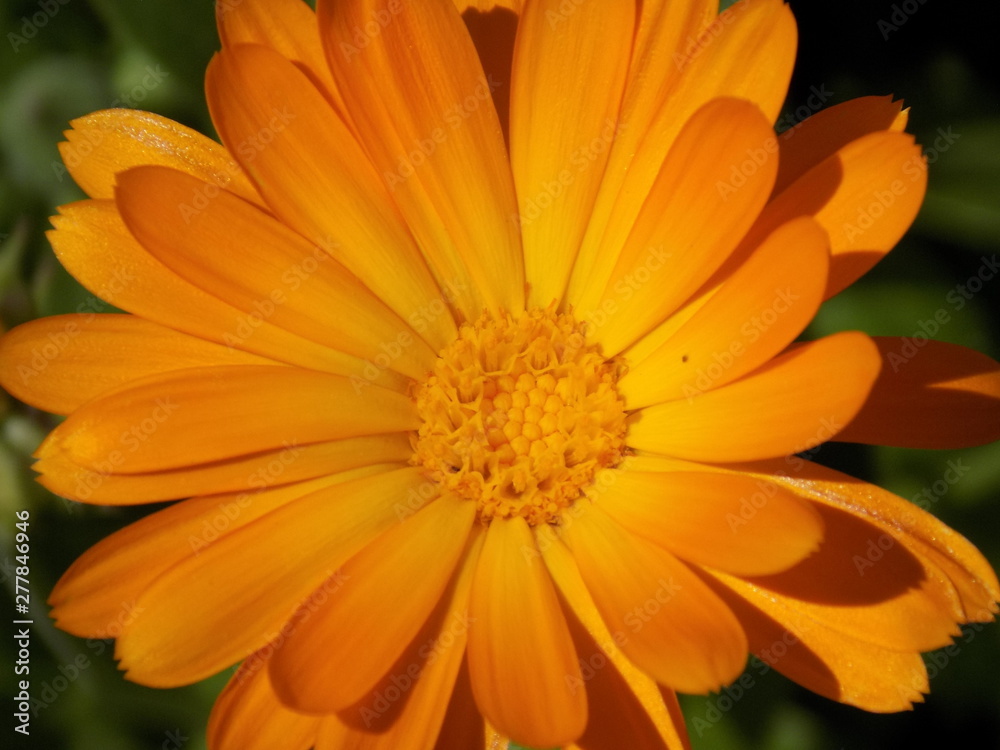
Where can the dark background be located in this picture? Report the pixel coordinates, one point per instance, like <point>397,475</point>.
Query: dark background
<point>941,60</point>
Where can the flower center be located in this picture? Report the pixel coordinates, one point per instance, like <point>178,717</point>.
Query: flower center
<point>519,414</point>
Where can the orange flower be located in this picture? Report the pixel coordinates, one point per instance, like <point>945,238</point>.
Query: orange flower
<point>473,348</point>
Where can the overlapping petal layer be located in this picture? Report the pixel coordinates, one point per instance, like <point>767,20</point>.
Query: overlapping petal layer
<point>94,245</point>
<point>423,111</point>
<point>271,116</point>
<point>727,522</point>
<point>522,662</point>
<point>752,317</point>
<point>560,134</point>
<point>391,588</point>
<point>213,609</point>
<point>789,405</point>
<point>686,228</point>
<point>218,413</point>
<point>682,635</point>
<point>104,143</point>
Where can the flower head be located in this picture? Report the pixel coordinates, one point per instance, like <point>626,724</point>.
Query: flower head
<point>473,348</point>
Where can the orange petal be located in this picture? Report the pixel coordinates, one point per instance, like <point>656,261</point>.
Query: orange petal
<point>318,180</point>
<point>279,276</point>
<point>954,576</point>
<point>104,143</point>
<point>423,109</point>
<point>390,590</point>
<point>521,657</point>
<point>215,608</point>
<point>493,29</point>
<point>658,705</point>
<point>795,402</point>
<point>200,415</point>
<point>486,5</point>
<point>616,718</point>
<point>930,394</point>
<point>662,333</point>
<point>746,53</point>
<point>286,26</point>
<point>694,217</point>
<point>407,708</point>
<point>253,473</point>
<point>865,195</point>
<point>820,136</point>
<point>755,314</point>
<point>248,716</point>
<point>560,131</point>
<point>665,31</point>
<point>61,362</point>
<point>946,552</point>
<point>95,597</point>
<point>463,724</point>
<point>672,626</point>
<point>863,584</point>
<point>733,523</point>
<point>92,243</point>
<point>821,659</point>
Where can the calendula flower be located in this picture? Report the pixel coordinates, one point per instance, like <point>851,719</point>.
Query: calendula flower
<point>473,350</point>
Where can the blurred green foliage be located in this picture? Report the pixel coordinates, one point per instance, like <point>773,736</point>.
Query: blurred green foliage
<point>60,59</point>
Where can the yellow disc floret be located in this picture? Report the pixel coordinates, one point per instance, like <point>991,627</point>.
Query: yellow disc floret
<point>519,414</point>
